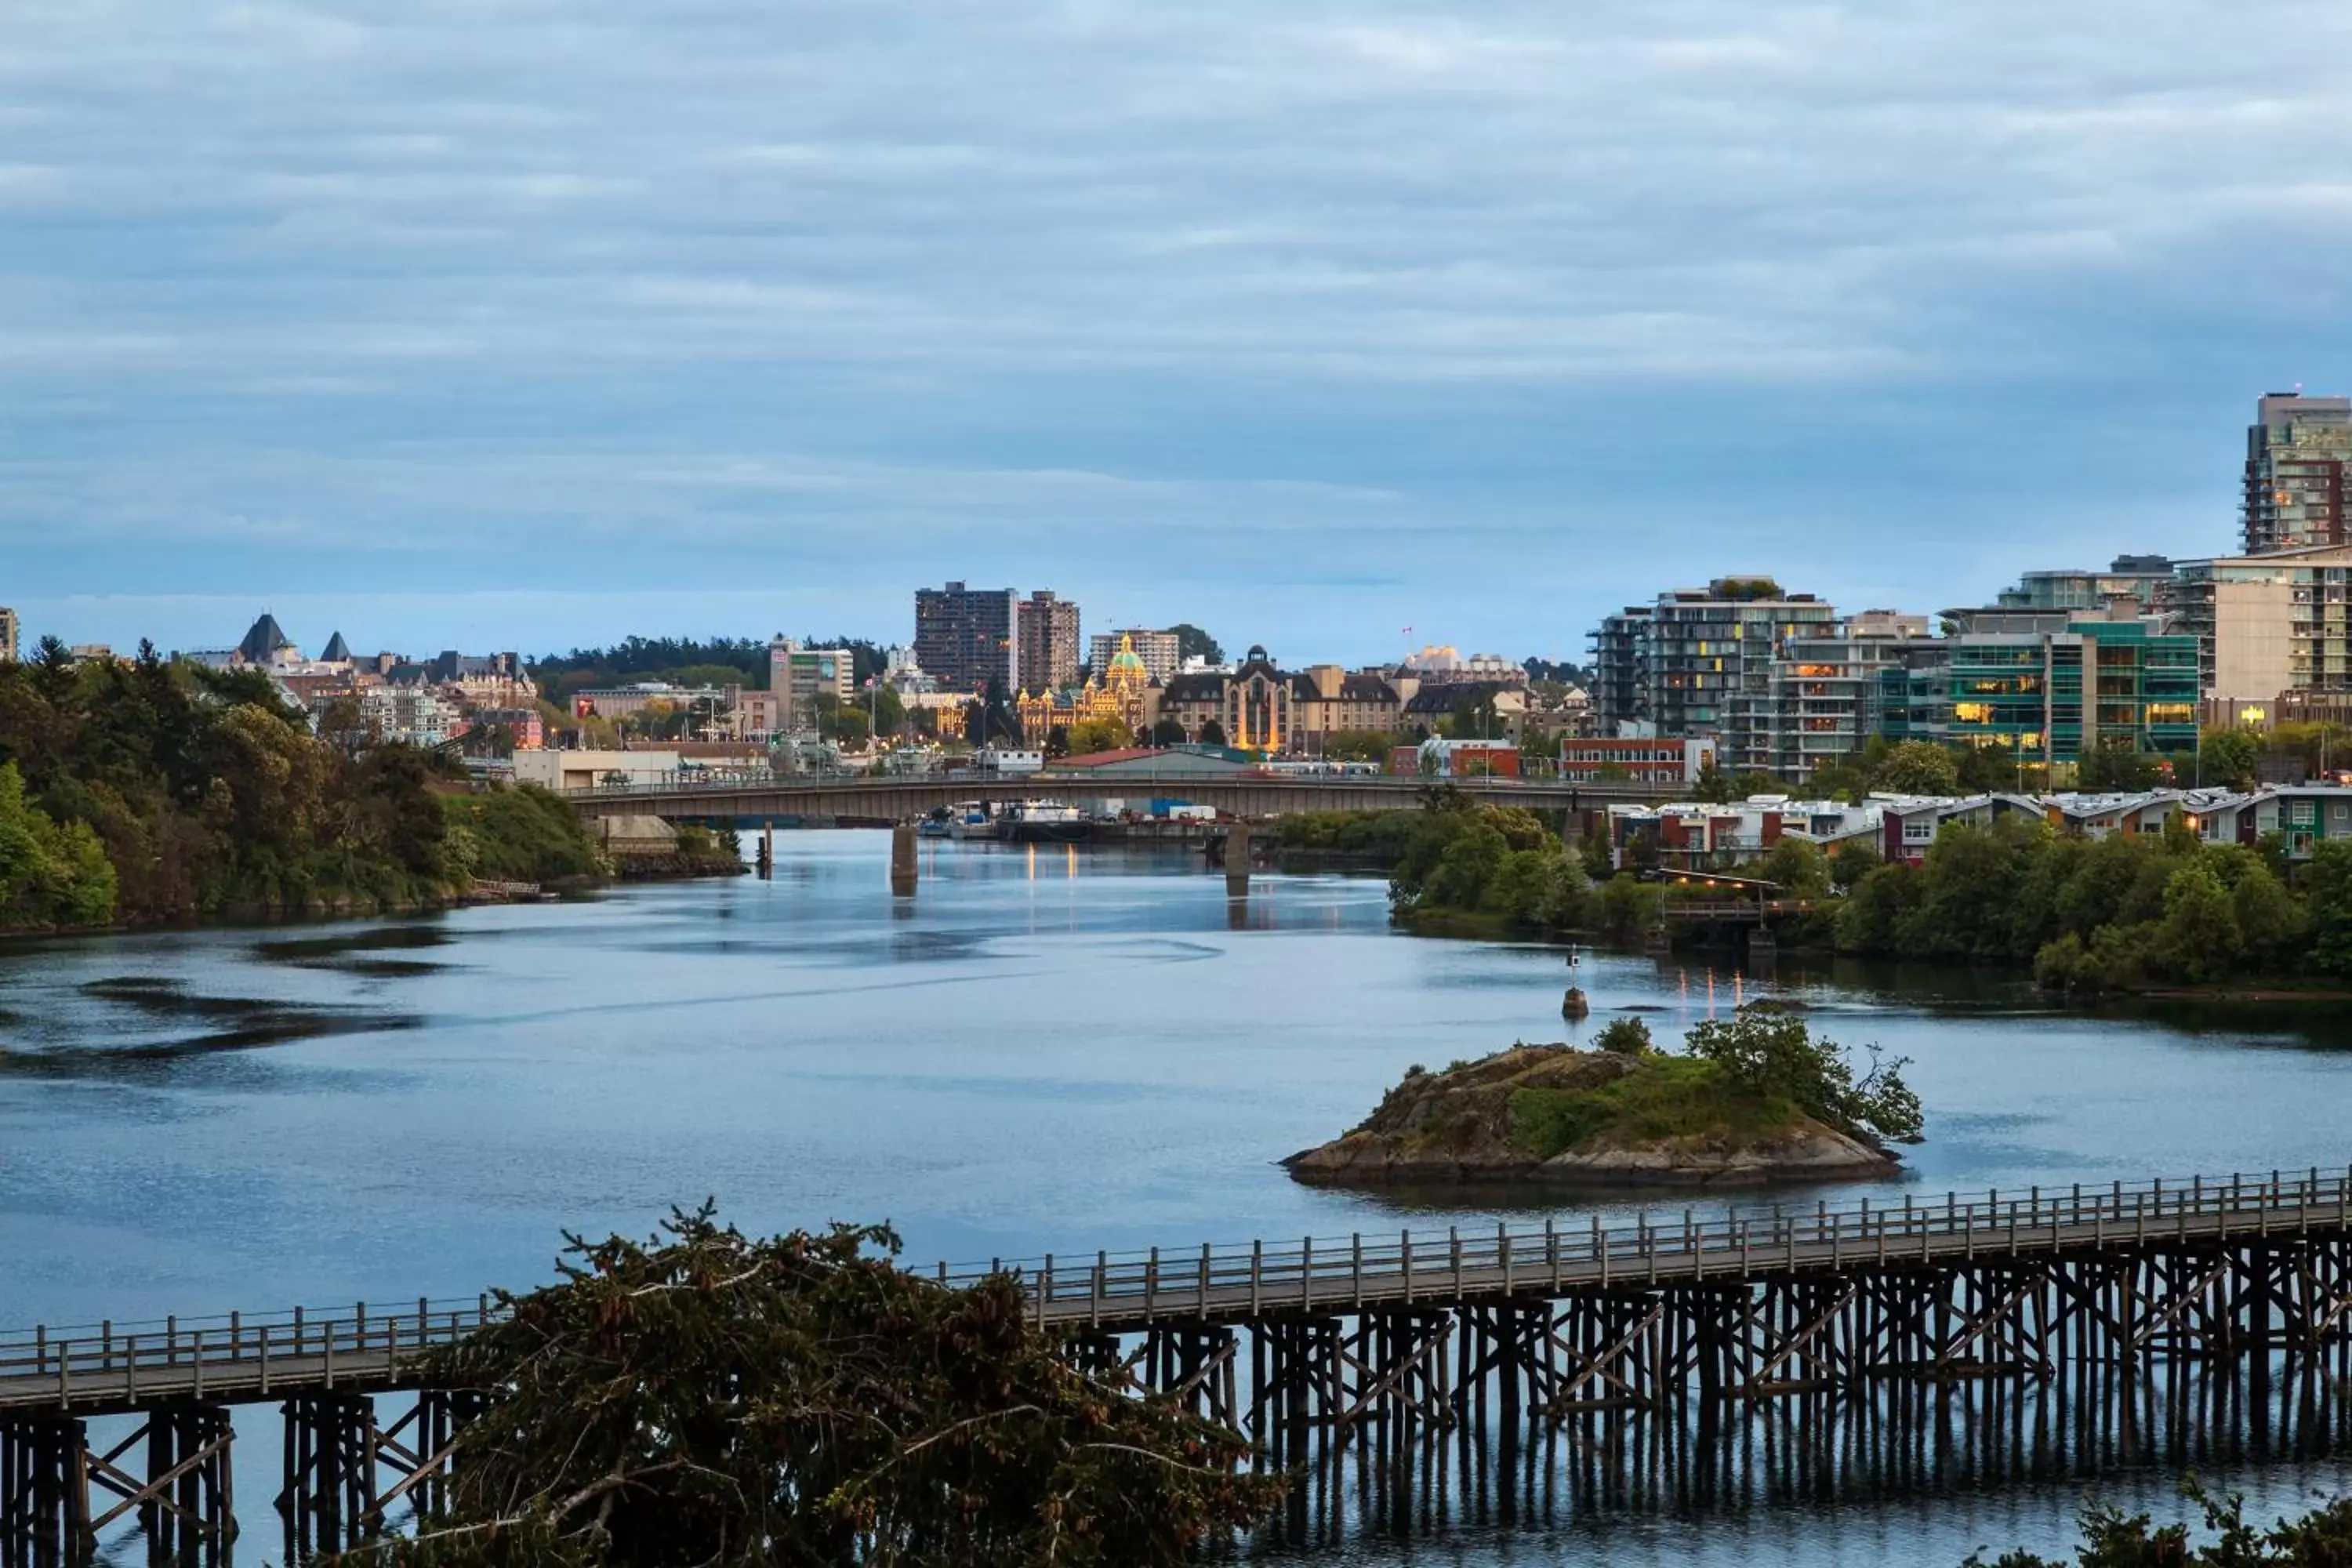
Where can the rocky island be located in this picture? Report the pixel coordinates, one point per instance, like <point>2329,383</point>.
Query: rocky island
<point>1756,1099</point>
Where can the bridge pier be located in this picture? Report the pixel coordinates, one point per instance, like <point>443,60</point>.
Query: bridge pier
<point>44,1490</point>
<point>904,866</point>
<point>1237,860</point>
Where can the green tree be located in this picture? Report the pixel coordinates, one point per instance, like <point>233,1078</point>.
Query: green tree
<point>1877,908</point>
<point>2199,939</point>
<point>2228,756</point>
<point>1773,1054</point>
<point>2327,888</point>
<point>1920,767</point>
<point>1192,642</point>
<point>1713,784</point>
<point>1797,867</point>
<point>1167,733</point>
<point>49,875</point>
<point>1212,733</point>
<point>703,1397</point>
<point>1091,735</point>
<point>1850,862</point>
<point>1057,742</point>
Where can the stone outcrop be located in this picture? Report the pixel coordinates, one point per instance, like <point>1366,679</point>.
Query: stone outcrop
<point>1456,1126</point>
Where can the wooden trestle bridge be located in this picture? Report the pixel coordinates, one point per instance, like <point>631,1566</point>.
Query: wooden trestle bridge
<point>2167,1307</point>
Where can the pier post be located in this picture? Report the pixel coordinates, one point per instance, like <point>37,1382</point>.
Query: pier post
<point>1237,860</point>
<point>902,861</point>
<point>767,849</point>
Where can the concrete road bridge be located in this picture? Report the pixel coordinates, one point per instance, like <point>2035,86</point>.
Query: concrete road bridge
<point>859,797</point>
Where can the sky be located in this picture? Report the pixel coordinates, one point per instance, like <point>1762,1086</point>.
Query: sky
<point>1336,325</point>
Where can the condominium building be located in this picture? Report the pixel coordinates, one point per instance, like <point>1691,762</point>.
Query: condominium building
<point>1829,692</point>
<point>1711,657</point>
<point>2269,624</point>
<point>2298,472</point>
<point>965,637</point>
<point>1047,642</point>
<point>1157,649</point>
<point>2048,687</point>
<point>1620,693</point>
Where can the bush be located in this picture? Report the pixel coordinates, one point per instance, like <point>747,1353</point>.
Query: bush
<point>708,1398</point>
<point>1624,1037</point>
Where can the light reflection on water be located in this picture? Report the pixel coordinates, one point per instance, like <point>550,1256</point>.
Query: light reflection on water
<point>1040,1052</point>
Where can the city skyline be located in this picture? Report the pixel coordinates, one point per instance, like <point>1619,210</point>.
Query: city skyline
<point>1545,297</point>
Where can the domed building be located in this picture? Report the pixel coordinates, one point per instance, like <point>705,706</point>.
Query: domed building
<point>1125,695</point>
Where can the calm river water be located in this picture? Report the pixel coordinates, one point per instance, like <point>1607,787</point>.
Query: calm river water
<point>1057,1051</point>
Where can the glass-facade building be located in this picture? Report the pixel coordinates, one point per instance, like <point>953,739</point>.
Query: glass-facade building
<point>2049,696</point>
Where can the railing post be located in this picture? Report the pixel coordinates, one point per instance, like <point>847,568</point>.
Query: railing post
<point>1205,1276</point>
<point>1503,1248</point>
<point>1306,1271</point>
<point>1356,1266</point>
<point>1151,1285</point>
<point>65,1374</point>
<point>1045,1291</point>
<point>1551,1252</point>
<point>265,1359</point>
<point>1404,1245</point>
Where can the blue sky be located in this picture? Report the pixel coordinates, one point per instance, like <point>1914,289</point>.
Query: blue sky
<point>517,323</point>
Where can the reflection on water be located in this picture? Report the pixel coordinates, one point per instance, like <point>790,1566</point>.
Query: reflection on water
<point>1109,1053</point>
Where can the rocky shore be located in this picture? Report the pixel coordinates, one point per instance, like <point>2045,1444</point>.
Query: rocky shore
<point>1552,1113</point>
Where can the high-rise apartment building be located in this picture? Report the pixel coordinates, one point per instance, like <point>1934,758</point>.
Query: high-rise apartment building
<point>1046,642</point>
<point>1701,662</point>
<point>1620,693</point>
<point>965,637</point>
<point>1157,649</point>
<point>10,636</point>
<point>2298,472</point>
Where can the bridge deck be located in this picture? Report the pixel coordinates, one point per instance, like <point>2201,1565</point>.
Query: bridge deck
<point>111,1368</point>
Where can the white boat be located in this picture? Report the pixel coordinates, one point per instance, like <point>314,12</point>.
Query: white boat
<point>969,819</point>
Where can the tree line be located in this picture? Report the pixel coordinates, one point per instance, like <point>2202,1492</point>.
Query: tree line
<point>150,790</point>
<point>2124,912</point>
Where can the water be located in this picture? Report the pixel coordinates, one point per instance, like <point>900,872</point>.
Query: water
<point>1055,1051</point>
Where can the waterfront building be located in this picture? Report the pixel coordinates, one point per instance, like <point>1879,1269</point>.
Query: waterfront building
<point>965,637</point>
<point>1828,693</point>
<point>11,636</point>
<point>1047,642</point>
<point>2298,458</point>
<point>1125,695</point>
<point>1700,660</point>
<point>1158,650</point>
<point>2047,686</point>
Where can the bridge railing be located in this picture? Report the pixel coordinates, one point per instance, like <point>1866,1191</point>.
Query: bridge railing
<point>1432,1265</point>
<point>671,784</point>
<point>97,1361</point>
<point>241,1352</point>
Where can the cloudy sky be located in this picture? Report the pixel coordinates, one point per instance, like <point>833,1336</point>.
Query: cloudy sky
<point>525,322</point>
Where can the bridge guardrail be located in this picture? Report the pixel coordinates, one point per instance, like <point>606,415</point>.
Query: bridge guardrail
<point>1124,783</point>
<point>89,1362</point>
<point>1155,1282</point>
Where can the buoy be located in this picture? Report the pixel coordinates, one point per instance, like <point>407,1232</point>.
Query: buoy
<point>1573,1005</point>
